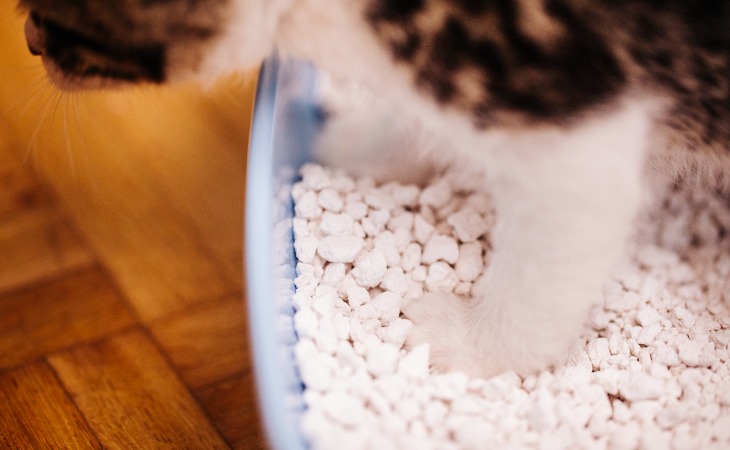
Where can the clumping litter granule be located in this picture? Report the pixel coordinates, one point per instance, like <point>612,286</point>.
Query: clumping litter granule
<point>651,370</point>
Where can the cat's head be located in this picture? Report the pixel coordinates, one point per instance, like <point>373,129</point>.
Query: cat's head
<point>96,43</point>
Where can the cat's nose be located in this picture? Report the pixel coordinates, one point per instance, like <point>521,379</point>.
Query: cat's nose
<point>34,35</point>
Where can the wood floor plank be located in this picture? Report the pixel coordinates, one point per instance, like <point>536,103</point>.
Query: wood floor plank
<point>232,406</point>
<point>131,398</point>
<point>153,179</point>
<point>200,168</point>
<point>76,308</point>
<point>36,241</point>
<point>18,189</point>
<point>208,343</point>
<point>35,412</point>
<point>37,244</point>
<point>157,195</point>
<point>157,260</point>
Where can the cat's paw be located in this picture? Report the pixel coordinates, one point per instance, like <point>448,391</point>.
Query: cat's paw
<point>443,322</point>
<point>471,336</point>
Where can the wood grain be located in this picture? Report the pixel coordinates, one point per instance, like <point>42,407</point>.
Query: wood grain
<point>229,404</point>
<point>121,215</point>
<point>131,398</point>
<point>153,177</point>
<point>157,192</point>
<point>206,344</point>
<point>36,413</point>
<point>37,244</point>
<point>17,187</point>
<point>60,313</point>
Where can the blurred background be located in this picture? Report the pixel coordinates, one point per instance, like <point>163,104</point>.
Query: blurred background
<point>135,196</point>
<point>148,175</point>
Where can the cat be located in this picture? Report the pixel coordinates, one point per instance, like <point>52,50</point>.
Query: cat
<point>563,103</point>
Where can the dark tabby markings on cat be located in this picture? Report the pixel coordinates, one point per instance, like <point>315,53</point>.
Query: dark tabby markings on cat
<point>685,52</point>
<point>79,55</point>
<point>141,40</point>
<point>501,60</point>
<point>526,61</point>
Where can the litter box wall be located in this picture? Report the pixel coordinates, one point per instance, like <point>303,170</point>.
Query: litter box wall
<point>285,121</point>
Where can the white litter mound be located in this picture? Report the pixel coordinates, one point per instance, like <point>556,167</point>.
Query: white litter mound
<point>651,371</point>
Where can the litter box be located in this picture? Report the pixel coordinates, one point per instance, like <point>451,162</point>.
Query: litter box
<point>288,119</point>
<point>285,120</point>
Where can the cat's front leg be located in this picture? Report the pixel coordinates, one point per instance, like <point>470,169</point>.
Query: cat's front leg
<point>565,202</point>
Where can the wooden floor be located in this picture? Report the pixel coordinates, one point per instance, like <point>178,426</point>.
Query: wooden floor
<point>84,365</point>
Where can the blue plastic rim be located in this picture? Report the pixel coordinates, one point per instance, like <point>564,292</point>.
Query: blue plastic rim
<point>286,118</point>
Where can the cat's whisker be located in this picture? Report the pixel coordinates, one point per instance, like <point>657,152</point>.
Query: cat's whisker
<point>42,118</point>
<point>76,106</point>
<point>82,146</point>
<point>56,102</point>
<point>28,98</point>
<point>67,138</point>
<point>235,99</point>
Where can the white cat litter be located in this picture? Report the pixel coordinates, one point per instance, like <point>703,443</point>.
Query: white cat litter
<point>652,369</point>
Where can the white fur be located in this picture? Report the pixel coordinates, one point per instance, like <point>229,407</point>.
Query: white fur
<point>366,135</point>
<point>248,36</point>
<point>565,203</point>
<point>565,198</point>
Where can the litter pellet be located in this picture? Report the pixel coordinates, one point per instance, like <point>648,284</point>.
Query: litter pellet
<point>651,370</point>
